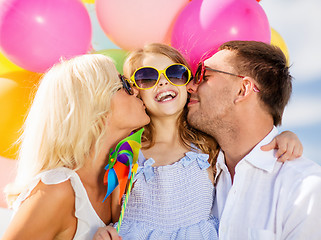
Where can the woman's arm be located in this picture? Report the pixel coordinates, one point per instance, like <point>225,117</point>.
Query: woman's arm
<point>288,146</point>
<point>47,213</point>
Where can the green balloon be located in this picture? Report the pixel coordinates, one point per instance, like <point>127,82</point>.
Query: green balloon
<point>118,55</point>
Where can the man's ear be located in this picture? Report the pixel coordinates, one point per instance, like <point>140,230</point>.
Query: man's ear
<point>246,89</point>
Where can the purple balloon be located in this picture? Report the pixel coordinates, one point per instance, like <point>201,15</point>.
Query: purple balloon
<point>204,25</point>
<point>34,34</point>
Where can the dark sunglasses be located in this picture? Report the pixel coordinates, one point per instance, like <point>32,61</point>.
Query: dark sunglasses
<point>200,72</point>
<point>147,77</point>
<point>126,85</point>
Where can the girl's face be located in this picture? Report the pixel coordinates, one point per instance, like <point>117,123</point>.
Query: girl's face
<point>127,111</point>
<point>164,99</point>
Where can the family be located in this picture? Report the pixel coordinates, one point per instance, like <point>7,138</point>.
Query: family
<point>212,164</point>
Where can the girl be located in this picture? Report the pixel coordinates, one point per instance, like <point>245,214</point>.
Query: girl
<point>80,111</point>
<point>174,189</point>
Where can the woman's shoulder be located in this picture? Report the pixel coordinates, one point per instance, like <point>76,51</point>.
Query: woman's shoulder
<point>48,206</point>
<point>60,191</point>
<point>55,199</point>
<point>56,176</point>
<point>51,185</point>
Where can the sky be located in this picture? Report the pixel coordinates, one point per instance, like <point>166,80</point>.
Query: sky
<point>298,22</point>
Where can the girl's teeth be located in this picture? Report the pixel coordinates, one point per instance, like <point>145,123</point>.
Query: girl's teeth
<point>165,96</point>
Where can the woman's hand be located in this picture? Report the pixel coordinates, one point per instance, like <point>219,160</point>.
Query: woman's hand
<point>287,144</point>
<point>107,233</point>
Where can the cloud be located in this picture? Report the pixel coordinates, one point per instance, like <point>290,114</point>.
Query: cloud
<point>298,22</point>
<point>303,111</point>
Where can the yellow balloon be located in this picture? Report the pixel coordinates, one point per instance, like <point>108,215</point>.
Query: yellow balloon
<point>16,93</point>
<point>88,1</point>
<point>7,66</point>
<point>277,40</point>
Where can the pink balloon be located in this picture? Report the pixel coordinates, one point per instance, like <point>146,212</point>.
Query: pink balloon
<point>204,25</point>
<point>131,24</point>
<point>34,34</point>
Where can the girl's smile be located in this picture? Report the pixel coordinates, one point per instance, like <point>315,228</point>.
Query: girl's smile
<point>165,96</point>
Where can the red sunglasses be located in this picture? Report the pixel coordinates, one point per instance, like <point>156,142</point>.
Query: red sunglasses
<point>200,71</point>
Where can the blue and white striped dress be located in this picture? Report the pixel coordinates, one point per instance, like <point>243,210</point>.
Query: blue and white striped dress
<point>171,202</point>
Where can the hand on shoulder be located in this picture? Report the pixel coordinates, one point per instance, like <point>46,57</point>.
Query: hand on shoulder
<point>287,144</point>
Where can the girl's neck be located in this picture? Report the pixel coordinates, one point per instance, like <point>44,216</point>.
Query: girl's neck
<point>166,130</point>
<point>168,147</point>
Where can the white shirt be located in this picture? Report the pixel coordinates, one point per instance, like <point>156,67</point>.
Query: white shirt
<point>268,199</point>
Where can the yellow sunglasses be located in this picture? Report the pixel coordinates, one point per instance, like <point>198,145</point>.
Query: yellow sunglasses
<point>147,77</point>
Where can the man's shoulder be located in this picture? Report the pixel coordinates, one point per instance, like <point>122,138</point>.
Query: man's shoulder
<point>294,173</point>
<point>302,167</point>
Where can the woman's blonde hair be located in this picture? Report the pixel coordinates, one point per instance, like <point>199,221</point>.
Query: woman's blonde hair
<point>67,118</point>
<point>188,135</point>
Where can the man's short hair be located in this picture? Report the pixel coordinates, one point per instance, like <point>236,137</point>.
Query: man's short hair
<point>268,66</point>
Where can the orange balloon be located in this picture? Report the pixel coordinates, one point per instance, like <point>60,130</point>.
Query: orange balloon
<point>277,40</point>
<point>16,90</point>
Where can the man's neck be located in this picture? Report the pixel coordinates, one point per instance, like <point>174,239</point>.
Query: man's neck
<point>237,146</point>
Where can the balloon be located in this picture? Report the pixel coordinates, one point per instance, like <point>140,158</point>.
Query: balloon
<point>88,1</point>
<point>204,25</point>
<point>6,65</point>
<point>99,39</point>
<point>277,40</point>
<point>118,55</point>
<point>34,34</point>
<point>15,99</point>
<point>131,24</point>
<point>7,174</point>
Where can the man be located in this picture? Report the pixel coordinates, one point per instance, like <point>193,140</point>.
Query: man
<point>238,97</point>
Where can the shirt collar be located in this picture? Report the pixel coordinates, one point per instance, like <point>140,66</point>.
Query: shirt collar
<point>220,164</point>
<point>264,160</point>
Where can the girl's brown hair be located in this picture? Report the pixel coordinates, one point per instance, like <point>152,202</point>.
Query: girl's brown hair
<point>188,135</point>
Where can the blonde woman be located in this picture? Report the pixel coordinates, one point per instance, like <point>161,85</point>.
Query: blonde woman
<point>81,110</point>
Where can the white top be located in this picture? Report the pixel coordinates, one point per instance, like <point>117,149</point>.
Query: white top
<point>268,199</point>
<point>87,219</point>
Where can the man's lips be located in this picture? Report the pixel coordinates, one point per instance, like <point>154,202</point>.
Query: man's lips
<point>192,101</point>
